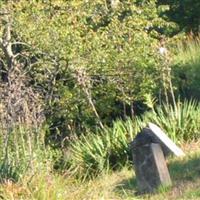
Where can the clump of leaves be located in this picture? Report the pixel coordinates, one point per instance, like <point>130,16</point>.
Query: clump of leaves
<point>95,153</point>
<point>181,122</point>
<point>24,152</point>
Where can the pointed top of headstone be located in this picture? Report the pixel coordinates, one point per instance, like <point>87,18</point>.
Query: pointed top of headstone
<point>165,140</point>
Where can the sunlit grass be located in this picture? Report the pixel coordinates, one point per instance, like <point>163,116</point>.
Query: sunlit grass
<point>119,185</point>
<point>186,67</point>
<point>189,52</point>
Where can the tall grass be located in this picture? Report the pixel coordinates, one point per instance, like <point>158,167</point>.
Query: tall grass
<point>181,123</point>
<point>187,67</point>
<point>189,52</point>
<point>119,185</point>
<point>23,152</point>
<point>94,153</point>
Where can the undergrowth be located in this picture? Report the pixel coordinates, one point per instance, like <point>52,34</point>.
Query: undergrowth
<point>109,149</point>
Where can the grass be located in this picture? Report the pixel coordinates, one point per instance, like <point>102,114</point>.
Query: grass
<point>94,154</point>
<point>187,67</point>
<point>180,123</point>
<point>188,51</point>
<point>118,185</point>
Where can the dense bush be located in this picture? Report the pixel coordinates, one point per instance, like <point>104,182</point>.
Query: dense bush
<point>184,13</point>
<point>89,61</point>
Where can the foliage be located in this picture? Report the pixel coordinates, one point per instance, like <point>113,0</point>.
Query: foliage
<point>186,68</point>
<point>91,60</point>
<point>116,185</point>
<point>92,154</point>
<point>185,13</point>
<point>23,152</point>
<point>95,153</point>
<point>180,123</point>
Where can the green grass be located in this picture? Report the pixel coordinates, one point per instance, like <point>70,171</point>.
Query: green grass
<point>181,123</point>
<point>98,165</point>
<point>188,51</point>
<point>186,68</point>
<point>94,154</point>
<point>24,151</point>
<point>195,194</point>
<point>119,185</point>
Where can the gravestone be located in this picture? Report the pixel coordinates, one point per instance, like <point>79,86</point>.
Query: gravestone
<point>168,146</point>
<point>150,168</point>
<point>153,134</point>
<point>149,149</point>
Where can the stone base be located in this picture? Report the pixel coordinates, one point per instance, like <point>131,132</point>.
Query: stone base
<point>150,168</point>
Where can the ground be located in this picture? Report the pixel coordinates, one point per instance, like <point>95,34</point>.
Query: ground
<point>120,185</point>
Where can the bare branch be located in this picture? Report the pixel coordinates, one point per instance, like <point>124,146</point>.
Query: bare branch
<point>21,43</point>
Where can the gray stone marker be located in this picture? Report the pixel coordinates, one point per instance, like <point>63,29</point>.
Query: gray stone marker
<point>150,168</point>
<point>148,149</point>
<point>153,134</point>
<point>167,144</point>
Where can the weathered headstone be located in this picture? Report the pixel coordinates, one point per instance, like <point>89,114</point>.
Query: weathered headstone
<point>150,168</point>
<point>153,134</point>
<point>148,149</point>
<point>167,144</point>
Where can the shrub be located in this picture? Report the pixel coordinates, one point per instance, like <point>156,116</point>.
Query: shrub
<point>108,149</point>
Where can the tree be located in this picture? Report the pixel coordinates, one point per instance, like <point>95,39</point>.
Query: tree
<point>87,59</point>
<point>185,13</point>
